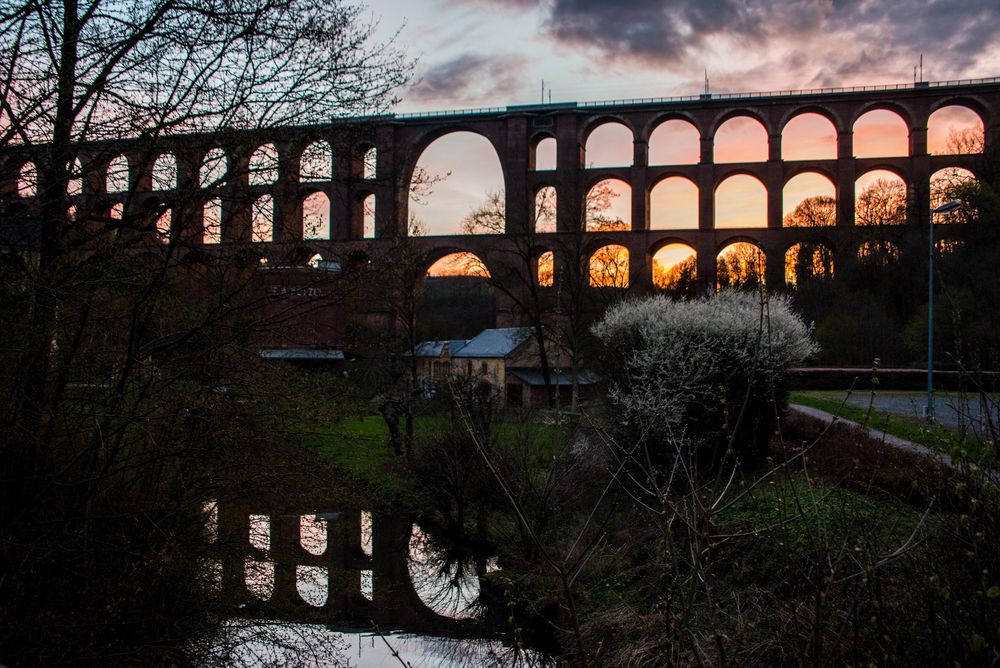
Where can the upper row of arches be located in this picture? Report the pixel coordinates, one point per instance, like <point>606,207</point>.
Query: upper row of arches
<point>316,164</point>
<point>743,137</point>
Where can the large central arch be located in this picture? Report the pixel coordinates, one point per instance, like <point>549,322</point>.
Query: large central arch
<point>456,174</point>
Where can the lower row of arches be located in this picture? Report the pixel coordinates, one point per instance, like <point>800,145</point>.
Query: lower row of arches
<point>674,267</point>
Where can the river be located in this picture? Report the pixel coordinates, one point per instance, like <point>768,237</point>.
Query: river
<point>326,587</point>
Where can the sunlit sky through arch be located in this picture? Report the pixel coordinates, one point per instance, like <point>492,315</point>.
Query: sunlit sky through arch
<point>483,53</point>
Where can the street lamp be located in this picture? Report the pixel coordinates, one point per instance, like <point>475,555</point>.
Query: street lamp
<point>947,207</point>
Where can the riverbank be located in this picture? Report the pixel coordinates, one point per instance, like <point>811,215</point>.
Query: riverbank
<point>838,547</point>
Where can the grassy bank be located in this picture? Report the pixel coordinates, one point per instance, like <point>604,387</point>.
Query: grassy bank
<point>360,446</point>
<point>835,552</point>
<point>949,441</point>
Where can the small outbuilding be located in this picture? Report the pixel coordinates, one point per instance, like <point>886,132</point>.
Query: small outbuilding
<point>506,357</point>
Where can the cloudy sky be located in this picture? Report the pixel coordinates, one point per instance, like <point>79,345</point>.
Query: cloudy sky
<point>497,52</point>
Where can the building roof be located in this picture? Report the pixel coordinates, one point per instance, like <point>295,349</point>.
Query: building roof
<point>495,342</point>
<point>534,378</point>
<point>435,348</point>
<point>302,354</point>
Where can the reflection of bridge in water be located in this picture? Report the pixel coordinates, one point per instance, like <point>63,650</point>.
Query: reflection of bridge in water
<point>256,540</point>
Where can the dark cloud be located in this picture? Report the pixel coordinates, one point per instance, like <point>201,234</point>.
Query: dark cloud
<point>658,31</point>
<point>665,33</point>
<point>470,76</point>
<point>502,4</point>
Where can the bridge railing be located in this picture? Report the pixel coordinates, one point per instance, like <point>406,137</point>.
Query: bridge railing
<point>457,112</point>
<point>795,92</point>
<point>706,96</point>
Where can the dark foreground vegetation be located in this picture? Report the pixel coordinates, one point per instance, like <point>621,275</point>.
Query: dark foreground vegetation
<point>631,543</point>
<point>834,549</point>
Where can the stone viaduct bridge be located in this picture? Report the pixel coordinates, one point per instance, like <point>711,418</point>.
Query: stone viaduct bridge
<point>394,144</point>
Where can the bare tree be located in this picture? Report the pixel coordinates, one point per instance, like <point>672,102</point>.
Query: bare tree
<point>742,265</point>
<point>559,315</point>
<point>516,272</point>
<point>816,211</point>
<point>882,203</point>
<point>132,372</point>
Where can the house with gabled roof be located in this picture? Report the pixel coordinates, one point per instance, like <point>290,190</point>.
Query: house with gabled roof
<point>506,357</point>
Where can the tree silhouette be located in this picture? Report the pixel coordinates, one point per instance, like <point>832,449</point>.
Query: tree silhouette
<point>882,203</point>
<point>130,367</point>
<point>815,211</point>
<point>740,265</point>
<point>680,278</point>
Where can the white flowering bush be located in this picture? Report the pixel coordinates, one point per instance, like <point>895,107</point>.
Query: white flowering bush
<point>703,370</point>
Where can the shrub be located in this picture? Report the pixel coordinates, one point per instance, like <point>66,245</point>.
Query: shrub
<point>701,372</point>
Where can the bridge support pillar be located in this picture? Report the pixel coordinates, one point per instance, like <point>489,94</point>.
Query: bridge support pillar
<point>514,163</point>
<point>918,189</point>
<point>640,276</point>
<point>774,268</point>
<point>845,179</point>
<point>569,160</point>
<point>707,271</point>
<point>775,183</point>
<point>640,191</point>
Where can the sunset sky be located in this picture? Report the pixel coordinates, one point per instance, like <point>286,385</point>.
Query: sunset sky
<point>483,53</point>
<point>477,53</point>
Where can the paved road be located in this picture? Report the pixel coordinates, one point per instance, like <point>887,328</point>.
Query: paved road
<point>902,444</point>
<point>951,410</point>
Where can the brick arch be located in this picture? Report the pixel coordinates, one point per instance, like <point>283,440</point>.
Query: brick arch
<point>808,168</point>
<point>177,167</point>
<point>973,166</point>
<point>587,128</point>
<point>429,256</point>
<point>672,174</point>
<point>784,245</point>
<point>313,187</point>
<point>538,136</point>
<point>600,240</point>
<point>13,167</point>
<point>297,149</point>
<point>827,113</point>
<point>656,121</point>
<point>663,242</point>
<point>971,102</point>
<point>539,249</point>
<point>885,167</point>
<point>738,238</point>
<point>357,154</point>
<point>534,142</point>
<point>421,142</point>
<point>536,185</point>
<point>901,110</point>
<point>226,170</point>
<point>723,117</point>
<point>102,164</point>
<point>603,174</point>
<point>300,253</point>
<point>281,160</point>
<point>739,171</point>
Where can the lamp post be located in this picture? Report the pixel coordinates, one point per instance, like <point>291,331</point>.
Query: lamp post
<point>947,207</point>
